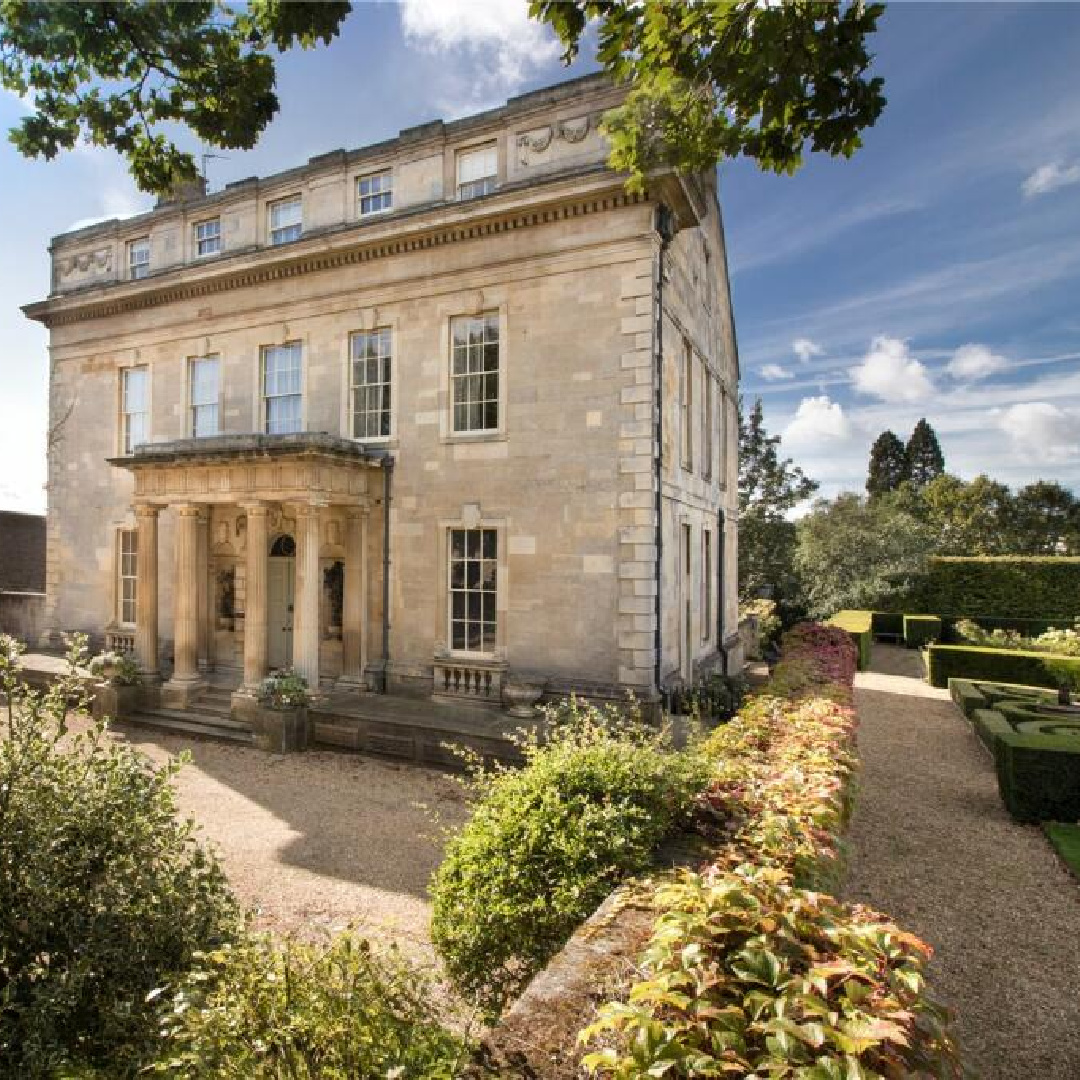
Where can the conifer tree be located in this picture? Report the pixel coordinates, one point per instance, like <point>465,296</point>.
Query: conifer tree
<point>888,465</point>
<point>923,453</point>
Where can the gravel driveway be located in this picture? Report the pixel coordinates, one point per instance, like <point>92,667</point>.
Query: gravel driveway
<point>931,845</point>
<point>320,840</point>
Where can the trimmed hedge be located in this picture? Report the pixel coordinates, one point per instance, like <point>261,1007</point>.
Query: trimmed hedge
<point>752,969</point>
<point>887,624</point>
<point>859,625</point>
<point>921,630</point>
<point>996,665</point>
<point>1017,587</point>
<point>969,696</point>
<point>1038,774</point>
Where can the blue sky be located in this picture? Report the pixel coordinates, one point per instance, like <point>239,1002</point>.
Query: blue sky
<point>936,274</point>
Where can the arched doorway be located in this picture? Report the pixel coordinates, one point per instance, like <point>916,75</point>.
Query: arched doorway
<point>281,583</point>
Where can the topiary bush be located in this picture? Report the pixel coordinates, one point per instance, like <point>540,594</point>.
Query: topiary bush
<point>104,894</point>
<point>1028,668</point>
<point>921,630</point>
<point>258,1011</point>
<point>545,844</point>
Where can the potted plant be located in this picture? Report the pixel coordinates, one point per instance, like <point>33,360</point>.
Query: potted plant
<point>280,720</point>
<point>117,691</point>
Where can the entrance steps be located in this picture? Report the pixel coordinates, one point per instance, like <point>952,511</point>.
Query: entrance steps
<point>210,716</point>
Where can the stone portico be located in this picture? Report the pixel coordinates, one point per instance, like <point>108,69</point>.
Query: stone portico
<point>244,505</point>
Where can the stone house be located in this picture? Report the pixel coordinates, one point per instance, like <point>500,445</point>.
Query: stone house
<point>444,413</point>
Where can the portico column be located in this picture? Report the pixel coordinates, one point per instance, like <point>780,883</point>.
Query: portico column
<point>255,602</point>
<point>202,563</point>
<point>146,590</point>
<point>186,598</point>
<point>306,612</point>
<point>354,599</point>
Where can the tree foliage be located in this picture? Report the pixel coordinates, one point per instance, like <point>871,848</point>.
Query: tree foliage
<point>712,79</point>
<point>115,73</point>
<point>104,894</point>
<point>888,465</point>
<point>923,453</point>
<point>1045,520</point>
<point>769,488</point>
<point>853,552</point>
<point>968,517</point>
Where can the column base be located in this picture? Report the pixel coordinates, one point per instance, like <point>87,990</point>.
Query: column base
<point>181,694</point>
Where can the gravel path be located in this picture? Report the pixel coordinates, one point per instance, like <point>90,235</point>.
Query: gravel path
<point>320,840</point>
<point>931,845</point>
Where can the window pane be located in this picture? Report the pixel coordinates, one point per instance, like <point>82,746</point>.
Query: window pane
<point>477,164</point>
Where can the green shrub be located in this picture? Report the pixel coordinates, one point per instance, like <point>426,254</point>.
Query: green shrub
<point>998,665</point>
<point>920,630</point>
<point>746,975</point>
<point>1020,587</point>
<point>260,1011</point>
<point>1023,628</point>
<point>859,625</point>
<point>104,894</point>
<point>545,845</point>
<point>887,624</point>
<point>969,696</point>
<point>1038,773</point>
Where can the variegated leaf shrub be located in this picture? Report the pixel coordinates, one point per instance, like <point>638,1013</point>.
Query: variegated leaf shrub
<point>749,973</point>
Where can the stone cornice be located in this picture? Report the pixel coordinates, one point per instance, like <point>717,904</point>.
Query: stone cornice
<point>447,223</point>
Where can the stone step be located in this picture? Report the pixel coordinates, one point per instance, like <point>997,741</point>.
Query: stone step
<point>195,723</point>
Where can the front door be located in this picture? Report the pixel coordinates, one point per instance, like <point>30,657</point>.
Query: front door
<point>279,610</point>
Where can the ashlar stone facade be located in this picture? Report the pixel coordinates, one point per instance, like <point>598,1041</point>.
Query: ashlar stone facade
<point>427,417</point>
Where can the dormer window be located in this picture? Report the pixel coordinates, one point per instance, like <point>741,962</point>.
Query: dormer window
<point>286,220</point>
<point>477,171</point>
<point>207,237</point>
<point>138,252</point>
<point>375,193</point>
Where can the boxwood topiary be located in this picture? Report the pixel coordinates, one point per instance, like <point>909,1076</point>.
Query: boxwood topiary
<point>545,845</point>
<point>997,665</point>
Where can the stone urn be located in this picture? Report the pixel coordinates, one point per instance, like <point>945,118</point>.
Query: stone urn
<point>521,698</point>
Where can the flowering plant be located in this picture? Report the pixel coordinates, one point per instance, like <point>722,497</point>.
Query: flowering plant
<point>284,689</point>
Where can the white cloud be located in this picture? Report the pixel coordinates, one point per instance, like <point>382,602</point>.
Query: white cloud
<point>805,349</point>
<point>1042,432</point>
<point>971,362</point>
<point>817,420</point>
<point>505,45</point>
<point>772,372</point>
<point>1047,178</point>
<point>891,373</point>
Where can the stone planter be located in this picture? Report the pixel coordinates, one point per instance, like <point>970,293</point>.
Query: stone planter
<point>280,729</point>
<point>115,701</point>
<point>521,698</point>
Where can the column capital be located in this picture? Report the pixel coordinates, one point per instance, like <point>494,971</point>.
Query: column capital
<point>147,510</point>
<point>311,508</point>
<point>187,509</point>
<point>254,506</point>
